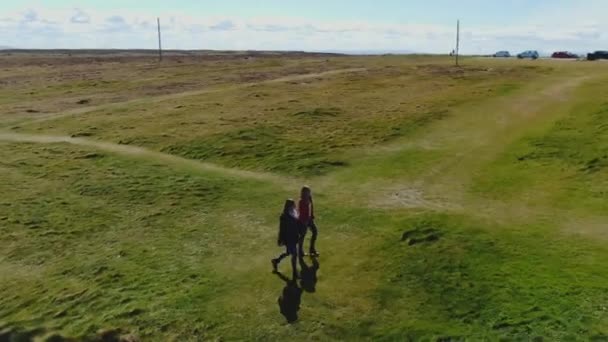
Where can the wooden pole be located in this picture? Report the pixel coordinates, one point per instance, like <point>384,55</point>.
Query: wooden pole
<point>160,46</point>
<point>457,40</point>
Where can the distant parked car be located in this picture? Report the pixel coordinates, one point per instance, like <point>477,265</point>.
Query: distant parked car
<point>504,54</point>
<point>597,55</point>
<point>563,54</point>
<point>528,54</point>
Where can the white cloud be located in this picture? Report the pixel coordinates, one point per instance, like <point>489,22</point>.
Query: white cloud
<point>83,28</point>
<point>80,17</point>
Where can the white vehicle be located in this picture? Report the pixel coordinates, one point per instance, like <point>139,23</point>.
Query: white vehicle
<point>504,54</point>
<point>528,54</point>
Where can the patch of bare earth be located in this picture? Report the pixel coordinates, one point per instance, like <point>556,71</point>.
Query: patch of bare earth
<point>409,198</point>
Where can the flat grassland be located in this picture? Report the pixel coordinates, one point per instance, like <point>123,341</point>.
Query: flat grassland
<point>141,201</point>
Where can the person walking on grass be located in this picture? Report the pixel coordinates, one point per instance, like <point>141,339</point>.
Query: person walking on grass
<point>307,220</point>
<point>289,236</point>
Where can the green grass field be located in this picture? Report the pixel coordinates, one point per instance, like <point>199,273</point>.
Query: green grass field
<point>141,202</point>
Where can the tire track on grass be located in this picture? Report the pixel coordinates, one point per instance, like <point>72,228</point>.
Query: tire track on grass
<point>443,186</point>
<point>143,153</point>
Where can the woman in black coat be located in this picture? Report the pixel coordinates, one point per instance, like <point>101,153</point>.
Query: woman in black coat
<point>289,235</point>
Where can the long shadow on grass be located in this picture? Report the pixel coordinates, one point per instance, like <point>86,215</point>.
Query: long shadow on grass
<point>290,299</point>
<point>291,296</point>
<point>308,275</point>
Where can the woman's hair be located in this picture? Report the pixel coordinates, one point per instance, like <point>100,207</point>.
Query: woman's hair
<point>305,189</point>
<point>289,204</point>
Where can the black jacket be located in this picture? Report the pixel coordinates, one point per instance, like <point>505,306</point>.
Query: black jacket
<point>289,230</point>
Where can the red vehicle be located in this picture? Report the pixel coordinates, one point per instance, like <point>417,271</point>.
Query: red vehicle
<point>563,54</point>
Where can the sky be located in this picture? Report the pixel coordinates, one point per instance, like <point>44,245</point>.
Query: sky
<point>311,25</point>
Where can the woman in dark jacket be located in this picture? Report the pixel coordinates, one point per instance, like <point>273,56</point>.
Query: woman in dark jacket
<point>289,235</point>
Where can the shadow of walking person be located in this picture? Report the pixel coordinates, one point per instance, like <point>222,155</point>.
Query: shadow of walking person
<point>289,301</point>
<point>308,275</point>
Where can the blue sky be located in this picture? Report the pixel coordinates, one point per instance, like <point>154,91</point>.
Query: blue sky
<point>382,25</point>
<point>436,11</point>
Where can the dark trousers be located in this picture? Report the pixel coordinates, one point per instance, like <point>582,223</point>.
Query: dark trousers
<point>290,250</point>
<point>313,238</point>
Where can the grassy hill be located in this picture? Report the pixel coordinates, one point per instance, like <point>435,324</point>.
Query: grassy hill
<point>141,201</point>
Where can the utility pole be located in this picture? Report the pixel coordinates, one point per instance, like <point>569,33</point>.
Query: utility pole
<point>457,40</point>
<point>160,46</point>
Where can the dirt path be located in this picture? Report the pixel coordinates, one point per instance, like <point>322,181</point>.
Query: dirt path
<point>140,152</point>
<point>160,98</point>
<point>479,138</point>
<point>472,137</point>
